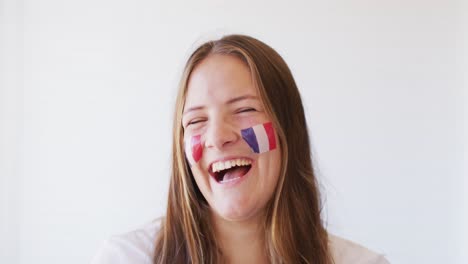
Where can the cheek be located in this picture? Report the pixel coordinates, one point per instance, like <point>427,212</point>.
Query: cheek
<point>274,166</point>
<point>247,121</point>
<point>261,138</point>
<point>201,181</point>
<point>197,175</point>
<point>193,149</point>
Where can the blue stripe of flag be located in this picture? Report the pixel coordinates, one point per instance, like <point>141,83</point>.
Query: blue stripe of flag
<point>249,135</point>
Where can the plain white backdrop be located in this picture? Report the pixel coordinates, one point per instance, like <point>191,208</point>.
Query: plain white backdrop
<point>87,92</point>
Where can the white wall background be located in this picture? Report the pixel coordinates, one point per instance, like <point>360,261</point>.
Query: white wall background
<point>87,91</point>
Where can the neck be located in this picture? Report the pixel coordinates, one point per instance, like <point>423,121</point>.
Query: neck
<point>241,241</point>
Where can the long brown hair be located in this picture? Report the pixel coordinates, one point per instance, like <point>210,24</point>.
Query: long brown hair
<point>293,229</point>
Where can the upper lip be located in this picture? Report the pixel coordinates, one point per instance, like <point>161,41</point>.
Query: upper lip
<point>210,166</point>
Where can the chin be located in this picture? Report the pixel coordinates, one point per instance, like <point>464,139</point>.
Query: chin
<point>235,212</point>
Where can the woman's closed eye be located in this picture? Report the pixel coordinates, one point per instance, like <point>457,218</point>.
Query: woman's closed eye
<point>195,121</point>
<point>247,109</point>
<point>198,121</point>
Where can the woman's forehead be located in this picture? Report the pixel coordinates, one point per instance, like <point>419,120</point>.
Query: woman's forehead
<point>218,79</point>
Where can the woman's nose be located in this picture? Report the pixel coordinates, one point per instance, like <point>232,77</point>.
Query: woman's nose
<point>220,135</point>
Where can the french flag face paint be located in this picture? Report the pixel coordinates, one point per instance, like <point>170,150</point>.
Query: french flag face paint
<point>193,149</point>
<point>261,138</point>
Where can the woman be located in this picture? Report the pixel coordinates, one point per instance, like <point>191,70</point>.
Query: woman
<point>243,188</point>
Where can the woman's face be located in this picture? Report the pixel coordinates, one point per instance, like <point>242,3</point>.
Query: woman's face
<point>221,101</point>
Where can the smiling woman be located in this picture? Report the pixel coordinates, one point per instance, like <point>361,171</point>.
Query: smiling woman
<point>226,102</point>
<point>243,188</point>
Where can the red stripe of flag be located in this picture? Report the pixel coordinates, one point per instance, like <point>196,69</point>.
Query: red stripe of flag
<point>196,148</point>
<point>271,135</point>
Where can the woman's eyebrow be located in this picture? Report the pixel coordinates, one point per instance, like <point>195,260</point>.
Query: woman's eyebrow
<point>192,109</point>
<point>230,101</point>
<point>240,98</point>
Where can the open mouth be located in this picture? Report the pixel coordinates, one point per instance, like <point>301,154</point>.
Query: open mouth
<point>230,170</point>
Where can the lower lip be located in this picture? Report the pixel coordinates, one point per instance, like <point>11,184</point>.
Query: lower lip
<point>233,182</point>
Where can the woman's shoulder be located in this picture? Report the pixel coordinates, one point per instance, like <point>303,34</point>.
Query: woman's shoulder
<point>346,251</point>
<point>136,246</point>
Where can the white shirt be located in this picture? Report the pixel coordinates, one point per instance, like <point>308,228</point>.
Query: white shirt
<point>137,247</point>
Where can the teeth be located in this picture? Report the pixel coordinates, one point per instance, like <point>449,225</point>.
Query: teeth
<point>224,165</point>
